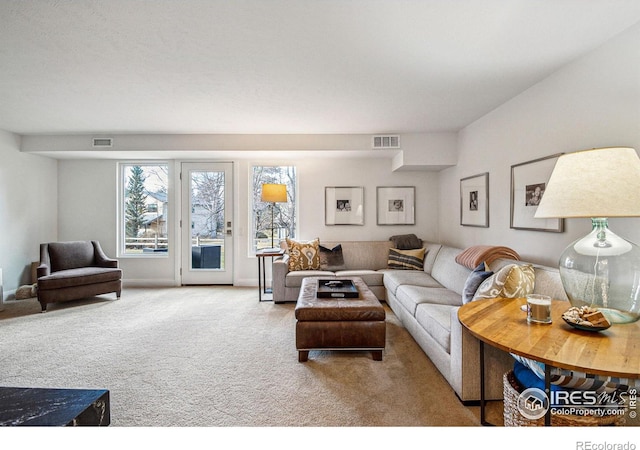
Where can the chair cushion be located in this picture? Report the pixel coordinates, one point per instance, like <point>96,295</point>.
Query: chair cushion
<point>79,277</point>
<point>71,255</point>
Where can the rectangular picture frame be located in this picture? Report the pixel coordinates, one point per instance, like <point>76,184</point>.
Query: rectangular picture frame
<point>395,205</point>
<point>344,205</point>
<point>474,201</point>
<point>528,183</point>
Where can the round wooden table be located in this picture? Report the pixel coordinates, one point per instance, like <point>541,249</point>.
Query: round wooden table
<point>503,324</point>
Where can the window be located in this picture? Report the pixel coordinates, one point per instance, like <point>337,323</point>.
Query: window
<point>284,214</point>
<point>144,209</point>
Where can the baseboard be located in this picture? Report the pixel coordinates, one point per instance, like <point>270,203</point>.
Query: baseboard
<point>149,283</point>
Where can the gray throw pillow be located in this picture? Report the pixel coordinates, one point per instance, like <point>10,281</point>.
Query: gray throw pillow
<point>406,241</point>
<point>474,280</point>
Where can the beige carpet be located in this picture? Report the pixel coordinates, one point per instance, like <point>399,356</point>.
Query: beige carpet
<point>216,357</point>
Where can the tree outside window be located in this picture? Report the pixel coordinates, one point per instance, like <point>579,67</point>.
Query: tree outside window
<point>284,214</point>
<point>207,202</point>
<point>145,209</point>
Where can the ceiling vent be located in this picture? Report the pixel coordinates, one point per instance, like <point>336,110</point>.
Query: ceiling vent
<point>102,142</point>
<point>386,141</point>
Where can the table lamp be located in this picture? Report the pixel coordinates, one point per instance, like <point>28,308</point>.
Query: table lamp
<point>273,193</point>
<point>601,270</point>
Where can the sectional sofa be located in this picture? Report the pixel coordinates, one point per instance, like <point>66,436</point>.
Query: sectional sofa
<point>426,302</point>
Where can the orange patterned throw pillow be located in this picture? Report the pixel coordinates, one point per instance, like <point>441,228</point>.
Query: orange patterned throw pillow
<point>304,255</point>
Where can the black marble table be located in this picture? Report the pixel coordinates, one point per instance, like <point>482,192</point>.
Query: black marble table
<point>54,407</point>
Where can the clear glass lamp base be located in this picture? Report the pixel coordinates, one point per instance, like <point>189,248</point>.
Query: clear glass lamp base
<point>602,270</point>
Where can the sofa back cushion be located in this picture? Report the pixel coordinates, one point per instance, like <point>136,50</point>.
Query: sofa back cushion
<point>448,272</point>
<point>71,255</point>
<point>370,255</point>
<point>547,279</point>
<point>431,252</point>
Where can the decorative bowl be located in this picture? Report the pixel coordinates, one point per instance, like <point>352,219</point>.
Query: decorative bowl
<point>586,318</point>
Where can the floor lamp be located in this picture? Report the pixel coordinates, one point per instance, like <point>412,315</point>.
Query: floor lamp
<point>273,193</point>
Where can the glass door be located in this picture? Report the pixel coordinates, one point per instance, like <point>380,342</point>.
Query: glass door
<point>206,223</point>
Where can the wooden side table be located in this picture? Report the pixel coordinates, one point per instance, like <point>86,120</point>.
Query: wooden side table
<point>262,282</point>
<point>503,324</point>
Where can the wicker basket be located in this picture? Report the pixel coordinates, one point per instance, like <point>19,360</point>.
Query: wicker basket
<point>513,418</point>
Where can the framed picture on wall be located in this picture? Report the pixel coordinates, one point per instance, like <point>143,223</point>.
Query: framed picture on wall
<point>528,183</point>
<point>396,205</point>
<point>344,205</point>
<point>474,201</point>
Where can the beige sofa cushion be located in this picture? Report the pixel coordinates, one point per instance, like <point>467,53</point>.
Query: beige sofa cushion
<point>294,279</point>
<point>370,277</point>
<point>411,296</point>
<point>396,278</point>
<point>547,279</point>
<point>448,272</point>
<point>436,320</point>
<point>370,255</point>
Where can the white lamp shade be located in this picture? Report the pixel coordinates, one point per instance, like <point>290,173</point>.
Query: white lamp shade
<point>602,182</point>
<point>274,193</point>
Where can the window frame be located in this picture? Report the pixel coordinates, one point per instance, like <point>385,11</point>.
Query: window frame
<point>122,166</point>
<point>251,205</point>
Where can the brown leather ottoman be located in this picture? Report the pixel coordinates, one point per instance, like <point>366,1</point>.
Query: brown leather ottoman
<point>339,323</point>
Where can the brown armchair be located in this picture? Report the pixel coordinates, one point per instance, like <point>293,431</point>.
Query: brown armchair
<point>75,270</point>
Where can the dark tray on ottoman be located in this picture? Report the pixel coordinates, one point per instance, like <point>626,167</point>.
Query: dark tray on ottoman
<point>333,288</point>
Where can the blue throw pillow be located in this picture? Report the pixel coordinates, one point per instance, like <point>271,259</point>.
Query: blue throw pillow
<point>528,379</point>
<point>474,280</point>
<point>571,379</point>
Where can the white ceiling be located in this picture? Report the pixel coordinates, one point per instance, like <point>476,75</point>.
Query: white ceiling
<point>281,67</point>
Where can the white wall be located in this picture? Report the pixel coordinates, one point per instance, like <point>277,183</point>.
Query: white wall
<point>593,102</point>
<point>28,210</point>
<point>88,208</point>
<point>314,175</point>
